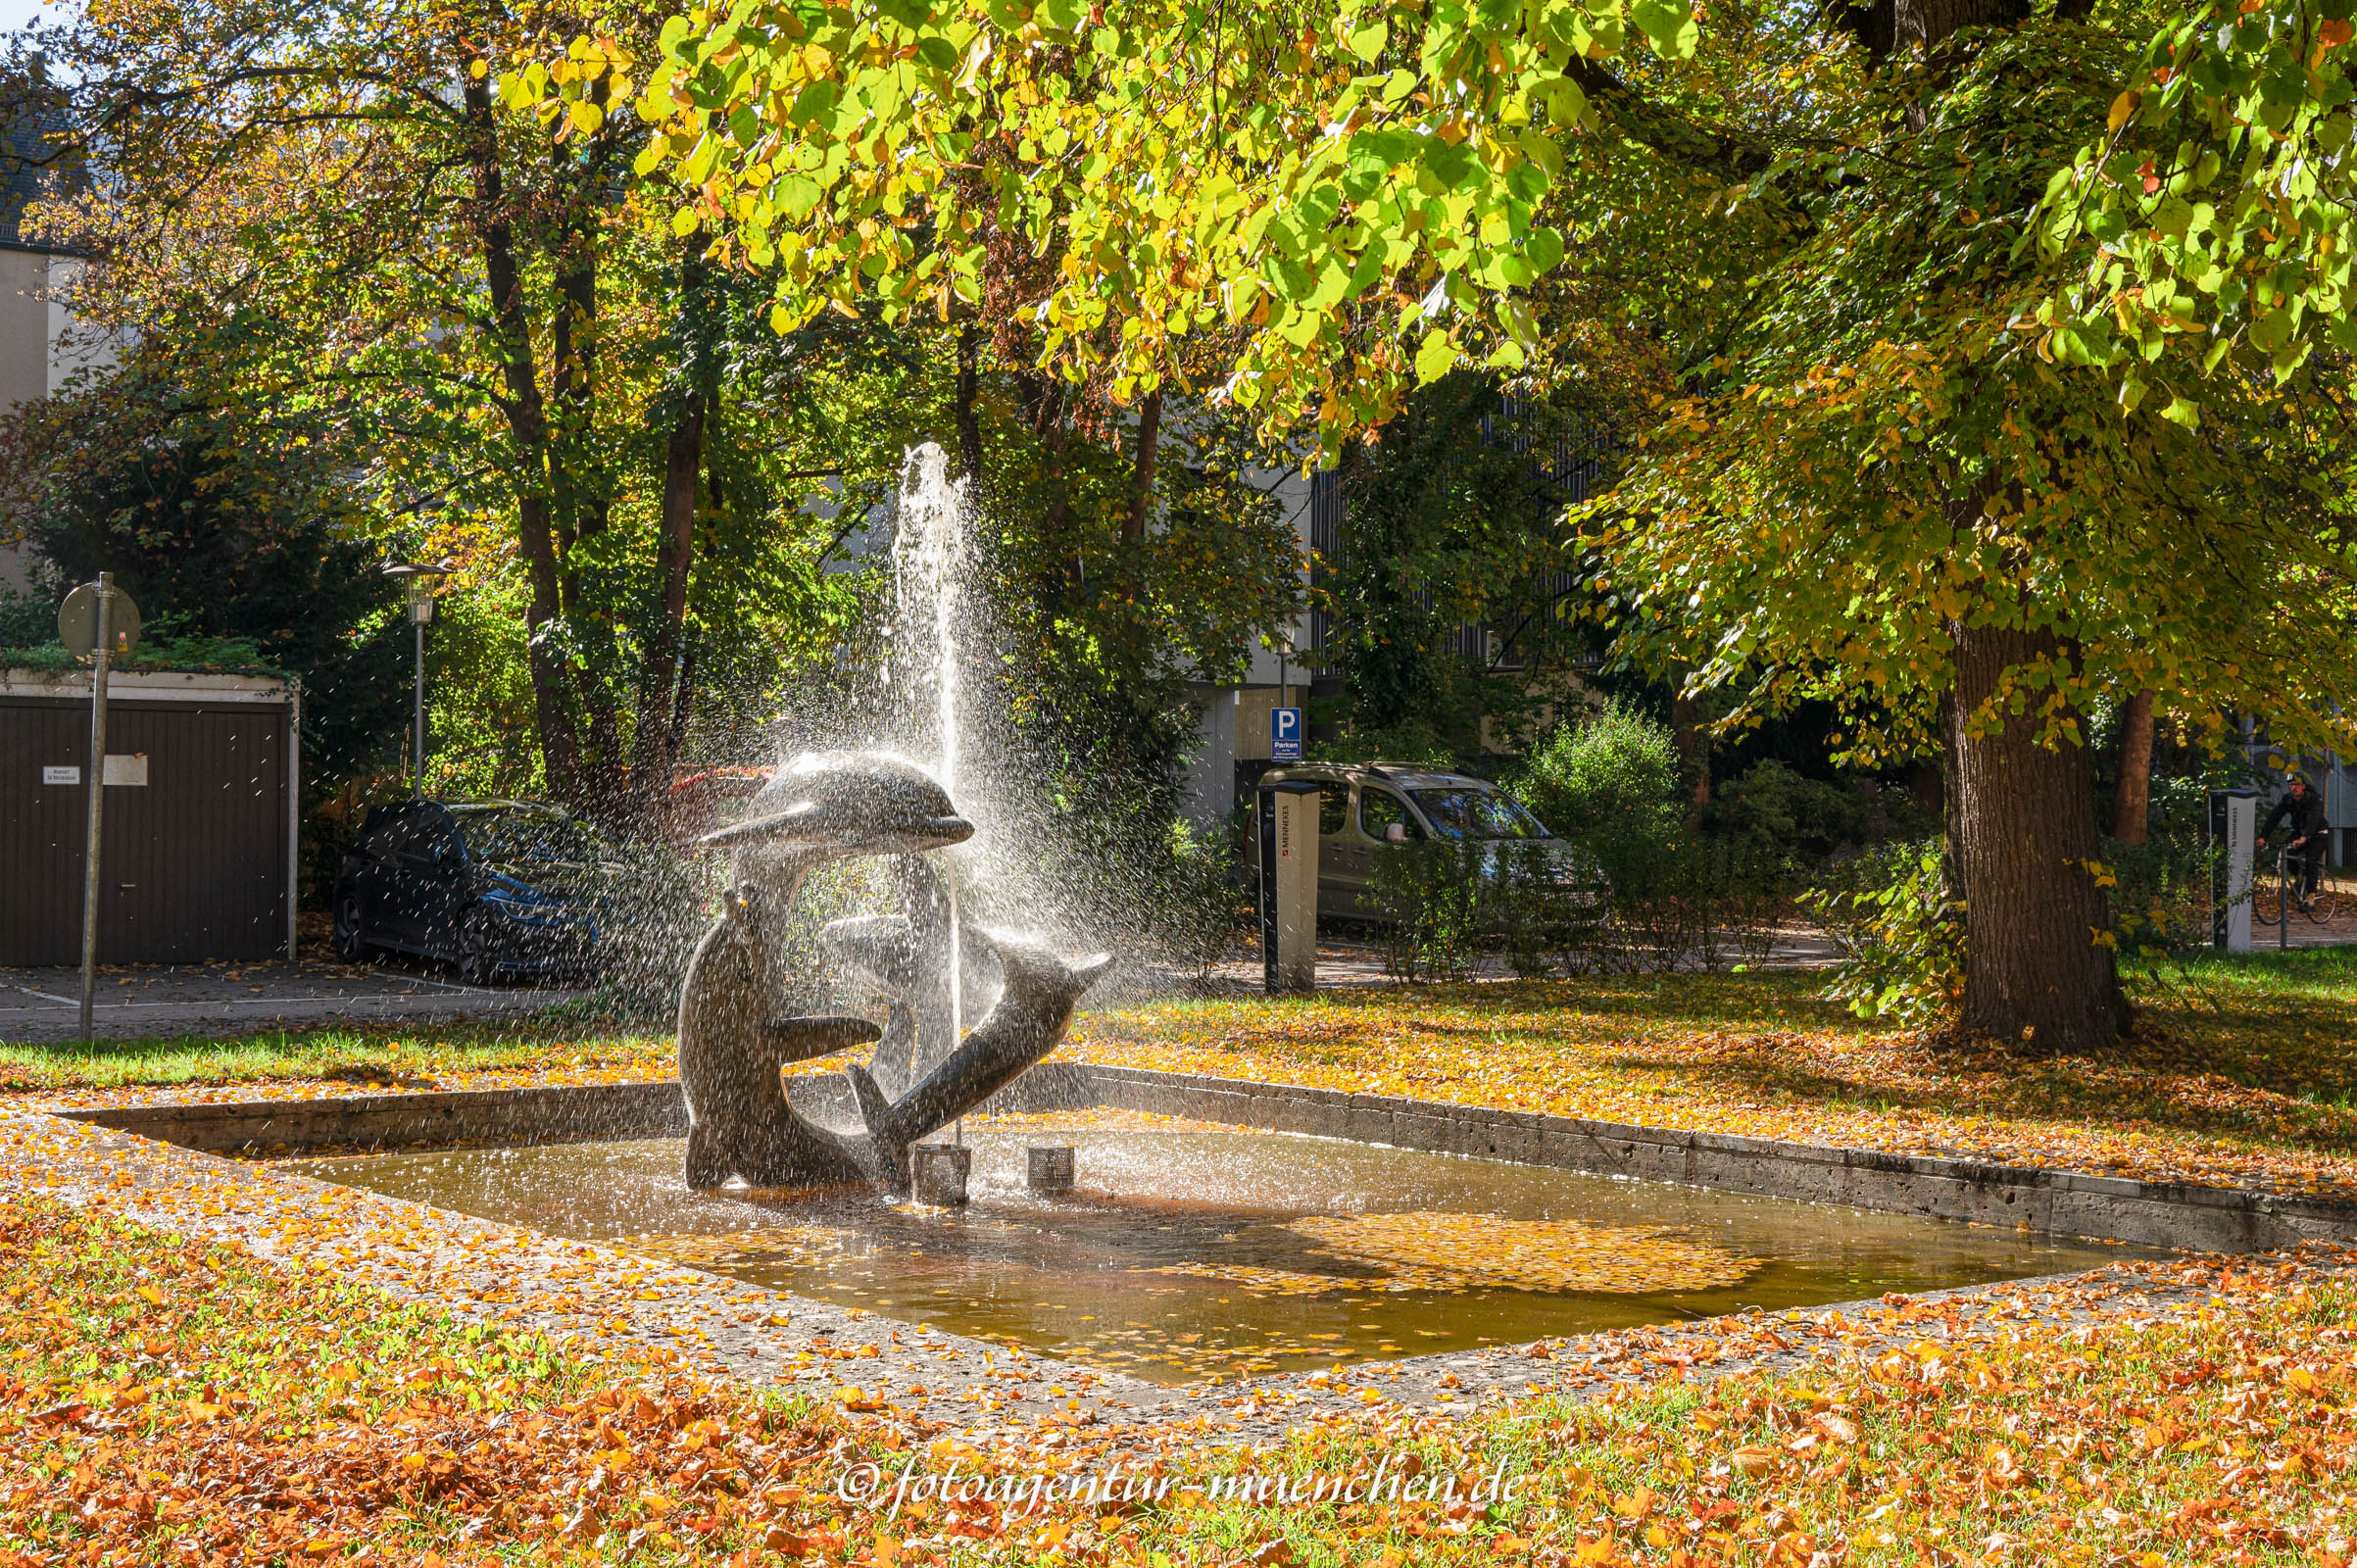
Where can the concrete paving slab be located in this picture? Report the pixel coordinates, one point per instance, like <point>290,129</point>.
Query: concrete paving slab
<point>40,1005</point>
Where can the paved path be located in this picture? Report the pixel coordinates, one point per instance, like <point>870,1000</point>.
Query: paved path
<point>142,1001</point>
<point>1345,963</point>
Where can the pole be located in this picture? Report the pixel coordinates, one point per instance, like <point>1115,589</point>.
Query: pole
<point>97,776</point>
<point>418,771</point>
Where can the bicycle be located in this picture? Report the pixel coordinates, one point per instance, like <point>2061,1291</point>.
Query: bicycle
<point>2268,898</point>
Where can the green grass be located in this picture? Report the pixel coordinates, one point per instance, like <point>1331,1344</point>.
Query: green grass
<point>2279,1021</point>
<point>396,1054</point>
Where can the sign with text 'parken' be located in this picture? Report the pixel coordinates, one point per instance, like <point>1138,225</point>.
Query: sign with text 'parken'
<point>1285,734</point>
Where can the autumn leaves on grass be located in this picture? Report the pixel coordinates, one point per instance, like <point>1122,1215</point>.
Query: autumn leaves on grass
<point>2256,1093</point>
<point>167,1400</point>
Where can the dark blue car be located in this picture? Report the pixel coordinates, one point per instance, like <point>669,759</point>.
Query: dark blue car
<point>498,888</point>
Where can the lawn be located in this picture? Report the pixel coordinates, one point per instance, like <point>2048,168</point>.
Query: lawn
<point>392,1055</point>
<point>170,1400</point>
<point>2244,1074</point>
<point>165,1399</point>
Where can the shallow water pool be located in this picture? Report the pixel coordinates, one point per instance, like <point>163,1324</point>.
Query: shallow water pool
<point>1194,1252</point>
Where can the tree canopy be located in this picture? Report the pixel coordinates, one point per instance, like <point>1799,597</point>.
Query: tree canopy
<point>1978,343</point>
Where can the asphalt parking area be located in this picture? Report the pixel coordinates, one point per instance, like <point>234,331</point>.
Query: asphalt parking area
<point>143,1001</point>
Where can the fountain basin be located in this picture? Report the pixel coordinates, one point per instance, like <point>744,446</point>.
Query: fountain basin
<point>1189,1253</point>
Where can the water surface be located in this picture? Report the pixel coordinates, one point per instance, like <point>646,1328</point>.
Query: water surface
<point>1089,1277</point>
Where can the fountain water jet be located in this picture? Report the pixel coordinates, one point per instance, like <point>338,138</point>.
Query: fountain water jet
<point>826,806</point>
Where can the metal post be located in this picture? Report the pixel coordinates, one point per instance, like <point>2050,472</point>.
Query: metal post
<point>99,654</point>
<point>294,812</point>
<point>419,751</point>
<point>2282,902</point>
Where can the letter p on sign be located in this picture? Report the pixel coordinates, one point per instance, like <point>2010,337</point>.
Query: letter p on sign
<point>1285,734</point>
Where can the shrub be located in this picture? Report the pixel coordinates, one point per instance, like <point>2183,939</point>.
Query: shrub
<point>1418,744</point>
<point>1198,901</point>
<point>1606,783</point>
<point>1778,811</point>
<point>1900,935</point>
<point>1428,897</point>
<point>1545,921</point>
<point>2159,897</point>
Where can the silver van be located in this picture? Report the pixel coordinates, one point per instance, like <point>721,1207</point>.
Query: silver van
<point>1367,808</point>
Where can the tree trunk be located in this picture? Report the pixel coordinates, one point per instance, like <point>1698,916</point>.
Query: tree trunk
<point>528,422</point>
<point>969,422</point>
<point>583,490</point>
<point>1693,744</point>
<point>1149,438</point>
<point>2023,841</point>
<point>2131,804</point>
<point>659,673</point>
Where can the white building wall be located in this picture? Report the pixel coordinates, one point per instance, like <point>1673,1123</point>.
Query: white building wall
<point>24,354</point>
<point>40,351</point>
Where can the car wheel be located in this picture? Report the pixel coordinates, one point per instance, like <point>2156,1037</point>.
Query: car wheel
<point>478,960</point>
<point>349,945</point>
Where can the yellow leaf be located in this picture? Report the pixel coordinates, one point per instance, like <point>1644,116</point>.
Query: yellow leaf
<point>2124,107</point>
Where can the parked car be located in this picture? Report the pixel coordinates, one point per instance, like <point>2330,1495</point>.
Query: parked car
<point>1365,808</point>
<point>495,887</point>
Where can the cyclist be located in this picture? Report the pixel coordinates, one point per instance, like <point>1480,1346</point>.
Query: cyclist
<point>2302,810</point>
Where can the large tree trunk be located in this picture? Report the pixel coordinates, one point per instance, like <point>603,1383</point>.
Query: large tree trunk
<point>2021,854</point>
<point>2131,803</point>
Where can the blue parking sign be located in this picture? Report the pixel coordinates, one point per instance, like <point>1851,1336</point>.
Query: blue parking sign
<point>1285,734</point>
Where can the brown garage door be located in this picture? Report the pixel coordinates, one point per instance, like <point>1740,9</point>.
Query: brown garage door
<point>194,862</point>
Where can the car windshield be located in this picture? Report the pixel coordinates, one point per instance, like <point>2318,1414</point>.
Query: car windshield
<point>511,837</point>
<point>1476,815</point>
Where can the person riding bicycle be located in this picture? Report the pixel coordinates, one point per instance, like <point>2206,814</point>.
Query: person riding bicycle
<point>2302,809</point>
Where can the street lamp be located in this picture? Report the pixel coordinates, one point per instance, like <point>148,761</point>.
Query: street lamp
<point>419,580</point>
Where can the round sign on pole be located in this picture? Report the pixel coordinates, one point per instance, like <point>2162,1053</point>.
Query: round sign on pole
<point>77,622</point>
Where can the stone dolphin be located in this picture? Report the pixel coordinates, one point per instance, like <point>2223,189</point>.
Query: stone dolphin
<point>820,807</point>
<point>1024,1025</point>
<point>908,960</point>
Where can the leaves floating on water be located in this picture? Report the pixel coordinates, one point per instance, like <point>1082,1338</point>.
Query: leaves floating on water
<point>786,1245</point>
<point>1278,1281</point>
<point>1426,1250</point>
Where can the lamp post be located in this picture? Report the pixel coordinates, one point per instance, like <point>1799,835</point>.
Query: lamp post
<point>419,580</point>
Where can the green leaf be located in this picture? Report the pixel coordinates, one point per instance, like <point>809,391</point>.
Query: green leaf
<point>798,195</point>
<point>1367,42</point>
<point>1437,358</point>
<point>1669,24</point>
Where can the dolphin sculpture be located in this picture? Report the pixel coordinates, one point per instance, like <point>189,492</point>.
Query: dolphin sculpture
<point>1033,1009</point>
<point>821,806</point>
<point>908,960</point>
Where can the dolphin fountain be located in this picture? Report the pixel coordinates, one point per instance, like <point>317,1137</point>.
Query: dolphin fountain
<point>823,807</point>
